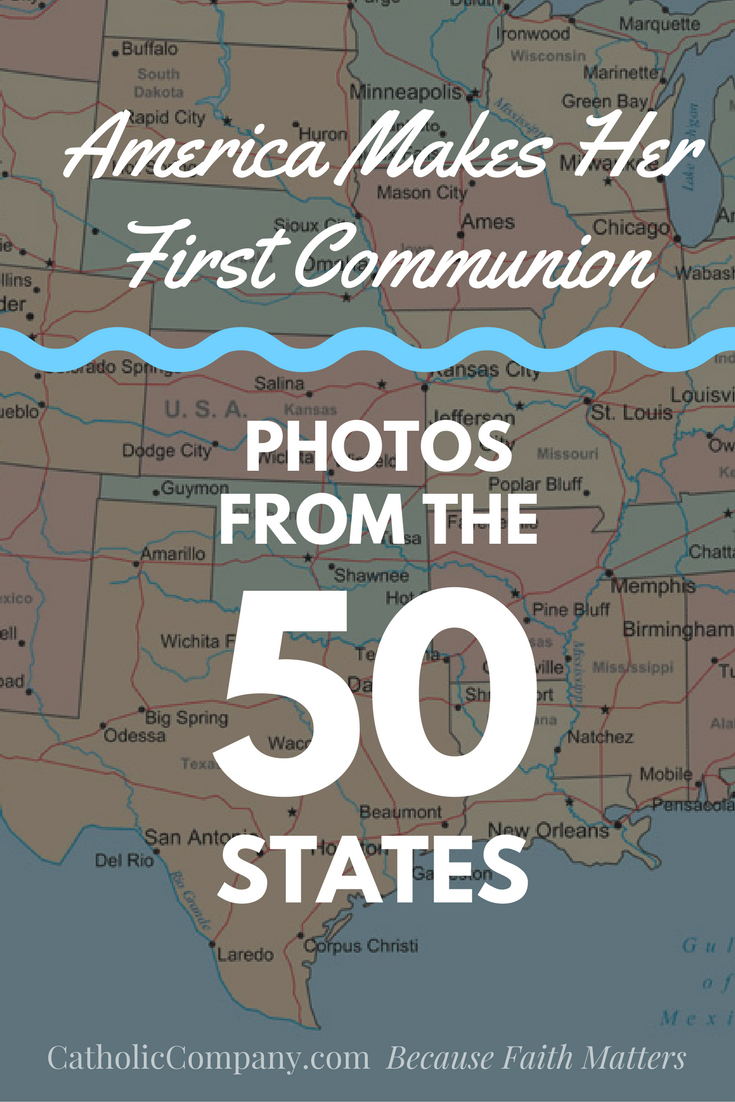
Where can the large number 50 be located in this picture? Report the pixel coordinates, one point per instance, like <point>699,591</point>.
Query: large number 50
<point>257,668</point>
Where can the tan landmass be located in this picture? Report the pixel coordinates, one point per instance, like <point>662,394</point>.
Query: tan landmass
<point>89,419</point>
<point>42,214</point>
<point>80,796</point>
<point>48,527</point>
<point>295,23</point>
<point>62,41</point>
<point>180,94</point>
<point>219,402</point>
<point>126,606</point>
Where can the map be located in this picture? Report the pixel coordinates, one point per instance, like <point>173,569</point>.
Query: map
<point>119,603</point>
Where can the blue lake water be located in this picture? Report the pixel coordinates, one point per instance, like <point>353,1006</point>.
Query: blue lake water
<point>591,956</point>
<point>694,189</point>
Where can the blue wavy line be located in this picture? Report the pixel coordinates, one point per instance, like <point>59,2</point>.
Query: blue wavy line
<point>423,360</point>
